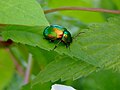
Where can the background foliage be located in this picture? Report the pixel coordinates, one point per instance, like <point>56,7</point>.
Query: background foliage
<point>93,61</point>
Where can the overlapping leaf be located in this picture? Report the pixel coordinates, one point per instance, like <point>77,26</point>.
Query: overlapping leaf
<point>64,68</point>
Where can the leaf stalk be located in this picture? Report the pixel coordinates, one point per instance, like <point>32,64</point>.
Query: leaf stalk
<point>82,9</point>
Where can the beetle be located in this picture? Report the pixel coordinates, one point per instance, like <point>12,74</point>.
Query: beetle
<point>56,32</point>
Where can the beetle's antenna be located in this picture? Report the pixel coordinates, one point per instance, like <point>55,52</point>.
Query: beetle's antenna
<point>57,45</point>
<point>77,35</point>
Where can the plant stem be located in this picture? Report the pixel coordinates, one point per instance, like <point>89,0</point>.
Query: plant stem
<point>18,67</point>
<point>82,9</point>
<point>28,69</point>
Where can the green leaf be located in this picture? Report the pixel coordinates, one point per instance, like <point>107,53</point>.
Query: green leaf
<point>6,68</point>
<point>23,12</point>
<point>81,15</point>
<point>64,68</point>
<point>101,42</point>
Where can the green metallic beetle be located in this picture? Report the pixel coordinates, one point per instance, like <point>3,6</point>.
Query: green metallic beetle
<point>56,32</point>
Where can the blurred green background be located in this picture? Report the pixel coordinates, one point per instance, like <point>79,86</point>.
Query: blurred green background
<point>12,76</point>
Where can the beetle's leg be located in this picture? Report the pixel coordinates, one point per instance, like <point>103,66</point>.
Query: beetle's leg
<point>68,46</point>
<point>57,44</point>
<point>51,40</point>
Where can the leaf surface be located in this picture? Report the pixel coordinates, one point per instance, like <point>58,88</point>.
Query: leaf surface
<point>64,68</point>
<point>22,12</point>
